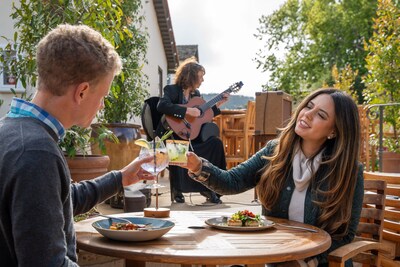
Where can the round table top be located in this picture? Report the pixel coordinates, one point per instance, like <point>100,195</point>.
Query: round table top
<point>208,245</point>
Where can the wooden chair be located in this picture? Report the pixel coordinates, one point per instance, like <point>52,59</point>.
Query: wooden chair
<point>391,225</point>
<point>238,136</point>
<point>367,246</point>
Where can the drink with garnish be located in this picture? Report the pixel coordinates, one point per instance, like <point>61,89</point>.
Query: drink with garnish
<point>177,150</point>
<point>157,149</point>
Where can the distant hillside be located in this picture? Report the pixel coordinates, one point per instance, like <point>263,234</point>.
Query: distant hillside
<point>234,102</point>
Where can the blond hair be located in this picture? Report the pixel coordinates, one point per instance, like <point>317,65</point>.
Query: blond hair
<point>72,54</point>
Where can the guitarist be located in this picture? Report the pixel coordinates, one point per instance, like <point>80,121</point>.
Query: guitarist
<point>188,77</point>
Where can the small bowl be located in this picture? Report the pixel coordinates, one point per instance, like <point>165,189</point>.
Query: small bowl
<point>157,230</point>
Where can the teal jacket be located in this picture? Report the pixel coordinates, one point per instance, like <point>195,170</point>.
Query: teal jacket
<point>246,176</point>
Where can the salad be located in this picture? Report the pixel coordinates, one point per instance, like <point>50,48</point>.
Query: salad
<point>244,218</point>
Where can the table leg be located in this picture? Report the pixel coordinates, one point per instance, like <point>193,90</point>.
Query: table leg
<point>133,263</point>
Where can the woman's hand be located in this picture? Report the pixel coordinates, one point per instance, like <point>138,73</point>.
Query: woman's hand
<point>225,97</point>
<point>193,112</point>
<point>133,172</point>
<point>193,162</point>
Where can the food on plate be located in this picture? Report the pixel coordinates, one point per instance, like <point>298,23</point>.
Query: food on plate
<point>244,218</point>
<point>124,226</point>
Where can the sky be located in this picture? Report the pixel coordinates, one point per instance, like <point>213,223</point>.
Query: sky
<point>223,31</point>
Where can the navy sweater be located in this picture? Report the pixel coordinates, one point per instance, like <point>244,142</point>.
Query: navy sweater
<point>37,199</point>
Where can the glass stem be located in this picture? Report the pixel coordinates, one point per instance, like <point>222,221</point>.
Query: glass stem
<point>154,155</point>
<point>157,192</point>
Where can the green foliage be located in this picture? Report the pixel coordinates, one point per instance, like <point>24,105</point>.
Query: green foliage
<point>345,80</point>
<point>315,36</point>
<point>129,89</point>
<point>118,21</point>
<point>78,140</point>
<point>383,64</point>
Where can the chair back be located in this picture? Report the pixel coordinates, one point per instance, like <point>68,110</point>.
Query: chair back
<point>391,225</point>
<point>370,227</point>
<point>249,128</point>
<point>150,117</point>
<point>238,136</point>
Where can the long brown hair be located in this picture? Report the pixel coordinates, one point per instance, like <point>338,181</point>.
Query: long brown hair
<point>335,180</point>
<point>186,74</point>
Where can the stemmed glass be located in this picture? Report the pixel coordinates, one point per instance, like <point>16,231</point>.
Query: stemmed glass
<point>160,161</point>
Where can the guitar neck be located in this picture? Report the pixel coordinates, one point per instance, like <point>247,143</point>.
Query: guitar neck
<point>214,100</point>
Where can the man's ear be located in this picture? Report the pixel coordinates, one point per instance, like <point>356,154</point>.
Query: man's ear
<point>81,92</point>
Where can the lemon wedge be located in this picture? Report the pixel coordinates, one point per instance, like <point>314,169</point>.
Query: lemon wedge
<point>143,143</point>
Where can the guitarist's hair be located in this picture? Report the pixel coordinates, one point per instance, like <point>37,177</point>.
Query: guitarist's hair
<point>186,73</point>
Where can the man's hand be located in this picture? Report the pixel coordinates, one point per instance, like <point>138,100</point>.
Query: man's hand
<point>133,172</point>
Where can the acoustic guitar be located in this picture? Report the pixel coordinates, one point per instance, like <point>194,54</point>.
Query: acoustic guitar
<point>189,127</point>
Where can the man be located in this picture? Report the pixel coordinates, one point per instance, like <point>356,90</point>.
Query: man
<point>76,66</point>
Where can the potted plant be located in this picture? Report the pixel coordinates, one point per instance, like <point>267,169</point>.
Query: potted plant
<point>383,81</point>
<point>76,146</point>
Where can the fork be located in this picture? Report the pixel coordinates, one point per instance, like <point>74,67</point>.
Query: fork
<point>114,218</point>
<point>224,219</point>
<point>296,227</point>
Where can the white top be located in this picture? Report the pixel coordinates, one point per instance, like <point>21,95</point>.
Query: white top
<point>302,173</point>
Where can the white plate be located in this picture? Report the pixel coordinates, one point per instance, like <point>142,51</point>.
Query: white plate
<point>158,229</point>
<point>219,223</point>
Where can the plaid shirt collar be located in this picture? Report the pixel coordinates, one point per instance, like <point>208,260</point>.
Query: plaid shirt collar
<point>21,108</point>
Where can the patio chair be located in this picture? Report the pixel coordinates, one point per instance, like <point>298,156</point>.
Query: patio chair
<point>367,246</point>
<point>238,136</point>
<point>150,117</point>
<point>391,225</point>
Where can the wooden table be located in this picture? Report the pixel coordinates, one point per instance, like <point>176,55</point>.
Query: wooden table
<point>208,246</point>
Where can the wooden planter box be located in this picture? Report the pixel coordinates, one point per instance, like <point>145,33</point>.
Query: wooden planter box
<point>391,162</point>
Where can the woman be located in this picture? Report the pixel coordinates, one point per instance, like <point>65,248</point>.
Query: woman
<point>188,77</point>
<point>309,173</point>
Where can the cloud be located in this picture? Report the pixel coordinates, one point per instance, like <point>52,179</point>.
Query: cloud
<point>223,30</point>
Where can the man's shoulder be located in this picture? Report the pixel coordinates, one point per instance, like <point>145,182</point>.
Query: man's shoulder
<point>27,134</point>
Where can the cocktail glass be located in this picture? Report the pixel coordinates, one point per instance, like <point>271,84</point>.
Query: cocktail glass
<point>160,160</point>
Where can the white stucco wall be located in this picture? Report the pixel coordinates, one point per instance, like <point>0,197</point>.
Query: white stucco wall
<point>156,56</point>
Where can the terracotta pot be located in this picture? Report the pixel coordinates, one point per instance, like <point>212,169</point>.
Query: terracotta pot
<point>87,167</point>
<point>391,162</point>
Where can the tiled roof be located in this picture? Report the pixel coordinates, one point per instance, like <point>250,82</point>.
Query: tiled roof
<point>167,33</point>
<point>186,51</point>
